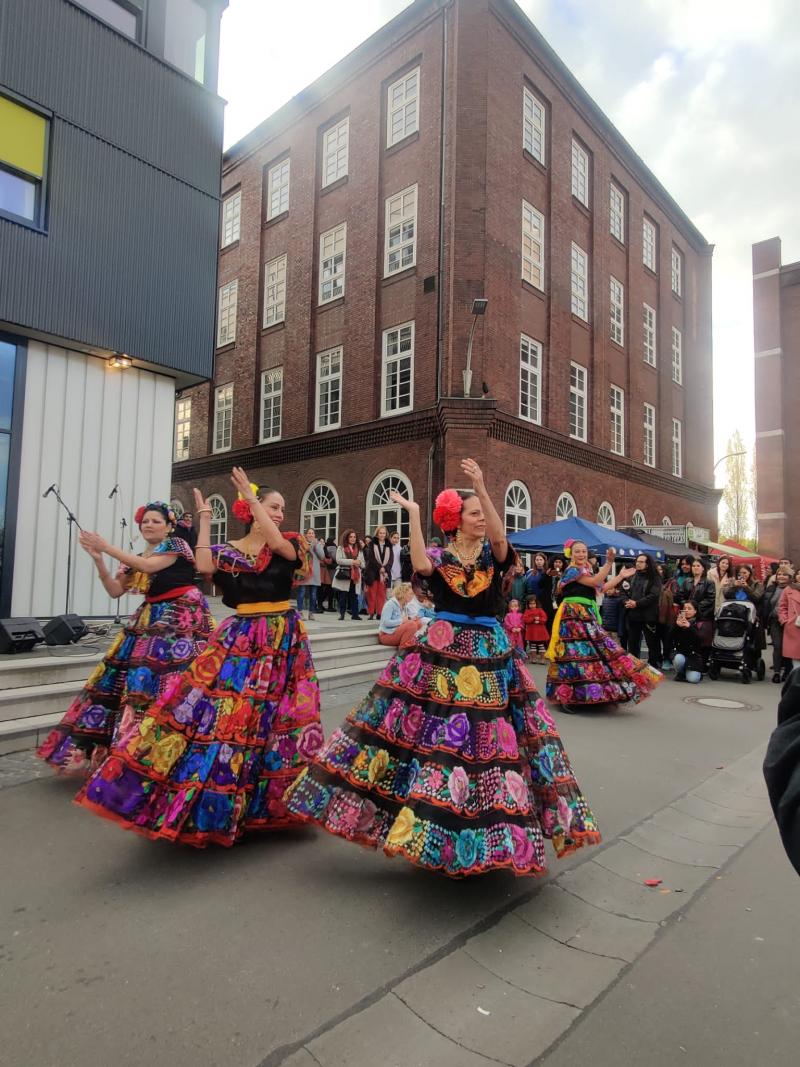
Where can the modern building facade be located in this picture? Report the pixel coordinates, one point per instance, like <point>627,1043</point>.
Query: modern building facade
<point>110,143</point>
<point>776,330</point>
<point>453,157</point>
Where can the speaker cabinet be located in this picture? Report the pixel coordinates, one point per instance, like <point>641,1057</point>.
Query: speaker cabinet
<point>64,630</point>
<point>19,635</point>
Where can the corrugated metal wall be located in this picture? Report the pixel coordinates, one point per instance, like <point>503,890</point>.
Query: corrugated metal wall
<point>86,427</point>
<point>129,259</point>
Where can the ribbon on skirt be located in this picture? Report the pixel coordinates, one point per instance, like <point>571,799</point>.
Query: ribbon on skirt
<point>551,648</point>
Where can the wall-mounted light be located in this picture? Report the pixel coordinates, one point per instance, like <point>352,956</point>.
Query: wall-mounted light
<point>478,308</point>
<point>120,360</point>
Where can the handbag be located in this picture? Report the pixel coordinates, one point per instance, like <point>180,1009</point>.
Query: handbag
<point>342,574</point>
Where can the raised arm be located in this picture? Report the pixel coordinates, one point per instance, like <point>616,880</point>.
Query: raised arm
<point>272,534</point>
<point>495,529</point>
<point>626,572</point>
<point>93,543</point>
<point>115,586</point>
<point>596,581</point>
<point>204,560</point>
<point>416,540</point>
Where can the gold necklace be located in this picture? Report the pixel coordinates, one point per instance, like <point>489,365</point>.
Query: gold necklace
<point>466,559</point>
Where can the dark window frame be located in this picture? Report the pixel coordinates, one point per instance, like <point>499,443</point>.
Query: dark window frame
<point>14,463</point>
<point>40,222</point>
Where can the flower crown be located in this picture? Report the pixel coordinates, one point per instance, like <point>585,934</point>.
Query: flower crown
<point>155,505</point>
<point>241,507</point>
<point>447,512</point>
<point>568,548</point>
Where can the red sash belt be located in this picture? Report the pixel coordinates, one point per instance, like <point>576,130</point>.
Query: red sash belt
<point>173,594</point>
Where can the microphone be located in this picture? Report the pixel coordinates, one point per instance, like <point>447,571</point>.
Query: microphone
<point>114,491</point>
<point>52,489</point>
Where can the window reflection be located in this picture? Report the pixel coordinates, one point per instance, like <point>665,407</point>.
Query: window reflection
<point>176,30</point>
<point>7,362</point>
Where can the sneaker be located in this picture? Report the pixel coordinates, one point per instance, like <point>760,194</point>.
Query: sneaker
<point>777,679</point>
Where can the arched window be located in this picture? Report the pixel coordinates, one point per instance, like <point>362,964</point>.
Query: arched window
<point>666,521</point>
<point>177,507</point>
<point>606,516</point>
<point>380,509</point>
<point>219,520</point>
<point>638,518</point>
<point>320,510</point>
<point>518,508</point>
<point>566,508</point>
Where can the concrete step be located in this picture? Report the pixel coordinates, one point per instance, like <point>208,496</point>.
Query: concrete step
<point>46,670</point>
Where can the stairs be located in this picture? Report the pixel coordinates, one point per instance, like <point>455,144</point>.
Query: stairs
<point>36,688</point>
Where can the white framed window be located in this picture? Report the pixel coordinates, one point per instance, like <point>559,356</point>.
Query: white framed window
<point>183,428</point>
<point>533,124</point>
<point>666,521</point>
<point>219,520</point>
<point>649,334</point>
<point>577,401</point>
<point>638,518</point>
<point>223,417</point>
<point>566,508</point>
<point>328,415</point>
<point>530,379</point>
<point>617,293</point>
<point>231,219</point>
<point>332,257</point>
<point>226,313</point>
<point>649,435</point>
<point>177,507</point>
<point>382,510</point>
<point>580,282</point>
<point>677,272</point>
<point>400,231</point>
<point>677,448</point>
<point>532,245</point>
<point>397,393</point>
<point>402,107</point>
<point>278,189</point>
<point>648,243</point>
<point>320,510</point>
<point>335,151</point>
<point>616,208</point>
<point>617,406</point>
<point>677,356</point>
<point>517,508</point>
<point>275,290</point>
<point>606,516</point>
<point>271,404</point>
<point>580,173</point>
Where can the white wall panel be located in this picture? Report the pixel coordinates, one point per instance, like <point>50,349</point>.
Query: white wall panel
<point>86,427</point>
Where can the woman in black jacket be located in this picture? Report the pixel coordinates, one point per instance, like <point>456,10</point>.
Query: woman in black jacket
<point>642,610</point>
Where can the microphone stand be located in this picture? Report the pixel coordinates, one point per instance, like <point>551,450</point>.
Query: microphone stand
<point>71,520</point>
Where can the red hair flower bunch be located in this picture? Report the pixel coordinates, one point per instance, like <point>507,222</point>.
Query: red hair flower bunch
<point>447,512</point>
<point>241,509</point>
<point>155,505</point>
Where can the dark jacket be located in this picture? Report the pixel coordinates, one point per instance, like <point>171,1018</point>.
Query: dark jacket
<point>646,591</point>
<point>782,768</point>
<point>754,593</point>
<point>611,612</point>
<point>769,605</point>
<point>376,557</point>
<point>688,641</point>
<point>703,595</point>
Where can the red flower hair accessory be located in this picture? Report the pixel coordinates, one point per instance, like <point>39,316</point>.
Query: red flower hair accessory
<point>137,518</point>
<point>447,512</point>
<point>241,509</point>
<point>155,505</point>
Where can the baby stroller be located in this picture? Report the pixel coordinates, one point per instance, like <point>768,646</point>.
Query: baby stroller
<point>734,647</point>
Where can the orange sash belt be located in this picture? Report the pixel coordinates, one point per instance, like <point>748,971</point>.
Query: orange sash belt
<point>263,607</point>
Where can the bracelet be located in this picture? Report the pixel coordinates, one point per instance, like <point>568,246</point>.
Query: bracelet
<point>203,546</point>
<point>203,511</point>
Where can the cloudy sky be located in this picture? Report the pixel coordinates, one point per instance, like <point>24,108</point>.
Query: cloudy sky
<point>706,91</point>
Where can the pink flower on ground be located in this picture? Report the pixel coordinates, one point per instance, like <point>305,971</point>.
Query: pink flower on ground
<point>506,737</point>
<point>523,848</point>
<point>564,814</point>
<point>440,634</point>
<point>310,740</point>
<point>409,668</point>
<point>517,788</point>
<point>412,722</point>
<point>458,785</point>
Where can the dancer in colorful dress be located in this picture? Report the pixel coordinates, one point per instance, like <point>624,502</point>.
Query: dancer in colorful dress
<point>212,759</point>
<point>587,666</point>
<point>160,640</point>
<point>452,760</point>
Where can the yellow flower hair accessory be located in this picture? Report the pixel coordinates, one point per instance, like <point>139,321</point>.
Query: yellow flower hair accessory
<point>241,507</point>
<point>568,548</point>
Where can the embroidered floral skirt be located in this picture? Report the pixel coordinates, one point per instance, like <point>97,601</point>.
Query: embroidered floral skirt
<point>158,641</point>
<point>451,761</point>
<point>591,668</point>
<point>213,758</point>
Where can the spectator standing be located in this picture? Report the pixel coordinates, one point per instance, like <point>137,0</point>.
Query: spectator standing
<point>537,635</point>
<point>310,585</point>
<point>347,576</point>
<point>514,625</point>
<point>538,583</point>
<point>396,570</point>
<point>789,616</point>
<point>701,592</point>
<point>185,529</point>
<point>666,618</point>
<point>773,625</point>
<point>642,609</point>
<point>721,574</point>
<point>377,572</point>
<point>326,591</point>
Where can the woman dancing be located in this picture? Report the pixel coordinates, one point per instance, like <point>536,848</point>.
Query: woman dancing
<point>213,757</point>
<point>160,640</point>
<point>587,666</point>
<point>452,760</point>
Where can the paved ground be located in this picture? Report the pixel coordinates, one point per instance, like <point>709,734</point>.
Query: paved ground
<point>301,950</point>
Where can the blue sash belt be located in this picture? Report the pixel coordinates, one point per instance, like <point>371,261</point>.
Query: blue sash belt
<point>468,620</point>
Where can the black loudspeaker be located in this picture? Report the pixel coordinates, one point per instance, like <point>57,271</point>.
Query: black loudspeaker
<point>64,630</point>
<point>19,635</point>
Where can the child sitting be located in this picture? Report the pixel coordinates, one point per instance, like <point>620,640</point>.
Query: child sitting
<point>513,625</point>
<point>536,636</point>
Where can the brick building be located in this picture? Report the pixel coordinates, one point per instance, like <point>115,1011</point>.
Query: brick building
<point>452,156</point>
<point>776,330</point>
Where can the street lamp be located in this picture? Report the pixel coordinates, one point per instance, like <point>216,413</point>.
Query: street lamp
<point>478,308</point>
<point>730,455</point>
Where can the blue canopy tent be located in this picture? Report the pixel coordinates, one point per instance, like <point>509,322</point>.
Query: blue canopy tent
<point>550,538</point>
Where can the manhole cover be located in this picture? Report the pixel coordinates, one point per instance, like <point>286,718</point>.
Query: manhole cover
<point>721,702</point>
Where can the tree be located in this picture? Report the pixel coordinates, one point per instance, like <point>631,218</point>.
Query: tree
<point>737,494</point>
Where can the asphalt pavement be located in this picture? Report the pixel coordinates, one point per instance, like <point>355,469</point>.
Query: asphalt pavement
<point>299,949</point>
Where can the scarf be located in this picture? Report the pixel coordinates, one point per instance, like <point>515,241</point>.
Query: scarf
<point>355,572</point>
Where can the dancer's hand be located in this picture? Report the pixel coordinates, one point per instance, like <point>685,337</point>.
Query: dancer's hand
<point>93,543</point>
<point>474,473</point>
<point>200,503</point>
<point>628,572</point>
<point>242,485</point>
<point>611,555</point>
<point>408,505</point>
